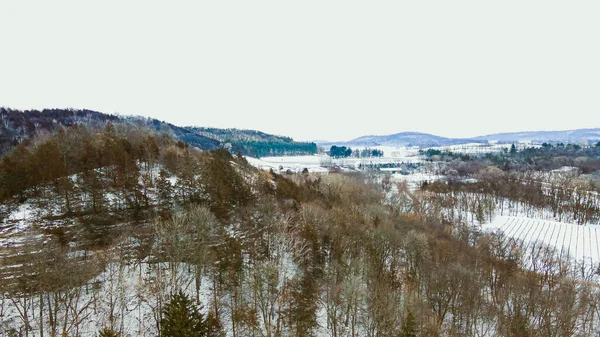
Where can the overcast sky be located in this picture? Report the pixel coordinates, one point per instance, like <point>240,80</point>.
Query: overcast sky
<point>321,69</point>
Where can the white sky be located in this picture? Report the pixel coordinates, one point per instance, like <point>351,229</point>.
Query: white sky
<point>320,69</point>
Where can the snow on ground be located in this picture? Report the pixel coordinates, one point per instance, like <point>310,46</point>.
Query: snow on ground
<point>295,164</point>
<point>297,160</point>
<point>120,288</point>
<point>321,163</point>
<point>21,215</point>
<point>580,242</point>
<point>473,148</point>
<point>480,148</point>
<point>414,180</point>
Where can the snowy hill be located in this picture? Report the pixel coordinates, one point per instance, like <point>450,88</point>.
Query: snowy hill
<point>569,136</point>
<point>18,127</point>
<point>425,140</point>
<point>402,139</point>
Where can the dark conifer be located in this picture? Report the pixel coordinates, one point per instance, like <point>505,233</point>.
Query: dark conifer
<point>182,318</point>
<point>409,328</point>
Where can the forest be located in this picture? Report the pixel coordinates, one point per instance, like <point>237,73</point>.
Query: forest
<point>344,152</point>
<point>18,126</point>
<point>119,230</point>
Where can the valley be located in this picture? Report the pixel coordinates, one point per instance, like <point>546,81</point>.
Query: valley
<point>103,225</point>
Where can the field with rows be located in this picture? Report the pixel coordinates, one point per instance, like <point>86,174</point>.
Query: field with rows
<point>581,243</point>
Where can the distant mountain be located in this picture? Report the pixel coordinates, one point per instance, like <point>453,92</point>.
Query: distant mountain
<point>567,136</point>
<point>20,126</point>
<point>402,139</point>
<point>428,140</point>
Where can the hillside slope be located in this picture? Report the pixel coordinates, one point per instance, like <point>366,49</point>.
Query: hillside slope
<point>426,140</point>
<point>20,126</point>
<point>401,139</point>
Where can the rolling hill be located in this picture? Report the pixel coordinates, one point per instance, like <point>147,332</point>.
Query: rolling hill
<point>402,139</point>
<point>569,136</point>
<point>427,140</point>
<point>20,126</point>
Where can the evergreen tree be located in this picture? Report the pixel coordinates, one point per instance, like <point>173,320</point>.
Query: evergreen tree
<point>164,190</point>
<point>518,326</point>
<point>513,149</point>
<point>409,328</point>
<point>480,214</point>
<point>182,318</point>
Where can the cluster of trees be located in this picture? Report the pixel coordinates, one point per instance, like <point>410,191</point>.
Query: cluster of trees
<point>273,148</point>
<point>257,253</point>
<point>435,154</point>
<point>255,143</point>
<point>344,152</point>
<point>541,182</point>
<point>18,127</point>
<point>233,135</point>
<point>340,151</point>
<point>561,196</point>
<point>136,233</point>
<point>545,158</point>
<point>72,171</point>
<point>365,153</point>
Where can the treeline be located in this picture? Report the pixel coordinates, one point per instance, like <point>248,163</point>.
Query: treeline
<point>443,155</point>
<point>344,152</point>
<point>235,135</point>
<point>18,127</point>
<point>273,148</point>
<point>76,166</point>
<point>564,197</point>
<point>118,171</point>
<point>255,143</point>
<point>545,158</point>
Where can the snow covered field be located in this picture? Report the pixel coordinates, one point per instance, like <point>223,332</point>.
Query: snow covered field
<point>321,163</point>
<point>579,242</point>
<point>293,163</point>
<point>480,148</point>
<point>415,180</point>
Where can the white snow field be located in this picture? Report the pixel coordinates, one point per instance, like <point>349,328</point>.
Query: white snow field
<point>293,163</point>
<point>579,242</point>
<point>321,162</point>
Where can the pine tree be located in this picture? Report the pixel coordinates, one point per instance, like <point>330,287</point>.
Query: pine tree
<point>164,190</point>
<point>182,318</point>
<point>409,328</point>
<point>480,214</point>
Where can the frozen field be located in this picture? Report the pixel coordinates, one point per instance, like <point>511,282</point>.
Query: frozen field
<point>321,162</point>
<point>579,242</point>
<point>480,148</point>
<point>293,163</point>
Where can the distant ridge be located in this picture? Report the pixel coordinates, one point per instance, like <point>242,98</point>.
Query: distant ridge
<point>577,135</point>
<point>427,140</point>
<point>18,126</point>
<point>403,139</point>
